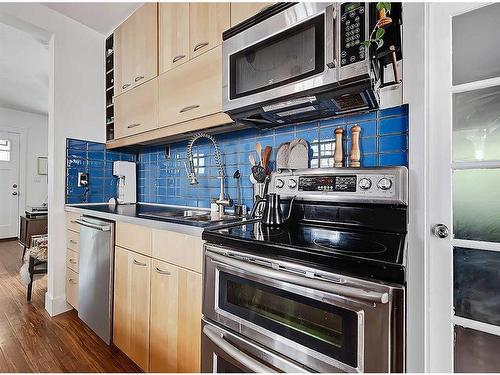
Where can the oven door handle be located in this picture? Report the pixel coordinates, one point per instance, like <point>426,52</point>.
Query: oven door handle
<point>218,339</point>
<point>325,286</point>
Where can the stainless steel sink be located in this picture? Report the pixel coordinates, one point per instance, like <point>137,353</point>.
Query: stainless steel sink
<point>190,213</point>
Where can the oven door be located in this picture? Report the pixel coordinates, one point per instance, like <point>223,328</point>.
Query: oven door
<point>289,52</point>
<point>225,352</point>
<point>330,324</point>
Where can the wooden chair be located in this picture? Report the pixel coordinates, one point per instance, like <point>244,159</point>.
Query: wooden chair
<point>35,266</point>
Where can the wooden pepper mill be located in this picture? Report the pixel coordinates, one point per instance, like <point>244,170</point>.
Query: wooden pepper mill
<point>355,156</point>
<point>338,154</point>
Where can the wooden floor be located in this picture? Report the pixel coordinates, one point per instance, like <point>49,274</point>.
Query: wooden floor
<point>32,341</point>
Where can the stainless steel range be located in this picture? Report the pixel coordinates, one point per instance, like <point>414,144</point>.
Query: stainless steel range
<point>323,292</point>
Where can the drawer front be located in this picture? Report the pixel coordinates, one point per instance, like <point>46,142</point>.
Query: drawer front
<point>70,221</point>
<point>73,240</point>
<point>133,237</point>
<point>72,260</point>
<point>179,249</point>
<point>72,288</point>
<point>136,111</point>
<point>191,90</point>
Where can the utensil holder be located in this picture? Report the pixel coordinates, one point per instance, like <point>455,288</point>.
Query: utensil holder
<point>259,189</point>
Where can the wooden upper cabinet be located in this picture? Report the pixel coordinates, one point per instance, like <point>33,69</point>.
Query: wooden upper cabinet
<point>241,11</point>
<point>176,296</point>
<point>136,111</point>
<point>192,90</point>
<point>207,21</point>
<point>132,305</point>
<point>173,35</point>
<point>136,48</point>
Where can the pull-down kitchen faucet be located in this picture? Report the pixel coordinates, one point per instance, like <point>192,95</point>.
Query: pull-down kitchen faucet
<point>191,172</point>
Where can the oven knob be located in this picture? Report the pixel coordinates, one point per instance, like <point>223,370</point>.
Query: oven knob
<point>384,183</point>
<point>280,183</point>
<point>365,183</point>
<point>292,184</point>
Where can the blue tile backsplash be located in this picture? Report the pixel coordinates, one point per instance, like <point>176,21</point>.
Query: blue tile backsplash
<point>383,142</point>
<point>94,159</point>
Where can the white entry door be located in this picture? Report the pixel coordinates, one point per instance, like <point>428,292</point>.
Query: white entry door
<point>9,184</point>
<point>464,187</point>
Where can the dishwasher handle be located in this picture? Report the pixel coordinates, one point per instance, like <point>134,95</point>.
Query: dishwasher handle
<point>104,228</point>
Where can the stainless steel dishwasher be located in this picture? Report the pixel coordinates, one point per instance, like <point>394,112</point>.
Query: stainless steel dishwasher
<point>95,292</point>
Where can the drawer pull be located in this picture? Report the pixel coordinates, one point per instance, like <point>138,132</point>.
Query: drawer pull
<point>137,79</point>
<point>189,107</point>
<point>72,222</point>
<point>72,281</point>
<point>133,126</point>
<point>177,58</point>
<point>72,261</point>
<point>137,263</point>
<point>161,272</point>
<point>125,86</point>
<point>73,242</point>
<point>200,45</point>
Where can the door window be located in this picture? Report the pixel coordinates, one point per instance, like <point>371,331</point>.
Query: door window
<point>325,328</point>
<point>5,146</point>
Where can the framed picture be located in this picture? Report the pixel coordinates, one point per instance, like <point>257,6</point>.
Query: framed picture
<point>42,166</point>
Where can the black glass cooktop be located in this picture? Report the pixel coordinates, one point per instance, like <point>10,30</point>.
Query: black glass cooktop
<point>373,254</point>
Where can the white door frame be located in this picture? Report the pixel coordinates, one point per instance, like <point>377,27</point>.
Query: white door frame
<point>439,265</point>
<point>23,136</point>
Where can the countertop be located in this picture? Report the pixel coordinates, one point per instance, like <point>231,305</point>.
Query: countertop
<point>132,213</point>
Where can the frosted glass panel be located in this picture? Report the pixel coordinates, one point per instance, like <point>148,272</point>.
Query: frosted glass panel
<point>476,125</point>
<point>476,45</point>
<point>476,204</point>
<point>476,279</point>
<point>476,351</point>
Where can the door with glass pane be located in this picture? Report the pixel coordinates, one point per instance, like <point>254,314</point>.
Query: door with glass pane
<point>464,187</point>
<point>9,180</point>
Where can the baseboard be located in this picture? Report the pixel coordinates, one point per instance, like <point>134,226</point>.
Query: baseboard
<point>56,306</point>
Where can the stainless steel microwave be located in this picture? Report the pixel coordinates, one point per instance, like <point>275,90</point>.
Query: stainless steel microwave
<point>297,61</point>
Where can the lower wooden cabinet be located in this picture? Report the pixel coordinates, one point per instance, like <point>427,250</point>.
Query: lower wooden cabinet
<point>131,305</point>
<point>72,288</point>
<point>175,319</point>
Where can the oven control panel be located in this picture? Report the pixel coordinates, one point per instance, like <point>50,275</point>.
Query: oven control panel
<point>352,32</point>
<point>367,185</point>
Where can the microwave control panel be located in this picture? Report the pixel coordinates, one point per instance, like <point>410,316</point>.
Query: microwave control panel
<point>352,33</point>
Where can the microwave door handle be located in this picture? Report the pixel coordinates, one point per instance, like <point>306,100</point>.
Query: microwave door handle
<point>331,36</point>
<point>325,286</point>
<point>218,339</point>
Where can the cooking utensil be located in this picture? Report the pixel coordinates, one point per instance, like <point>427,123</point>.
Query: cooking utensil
<point>266,158</point>
<point>272,215</point>
<point>239,209</point>
<point>355,156</point>
<point>298,157</point>
<point>251,158</point>
<point>338,155</point>
<point>252,179</point>
<point>259,173</point>
<point>282,156</point>
<point>258,148</point>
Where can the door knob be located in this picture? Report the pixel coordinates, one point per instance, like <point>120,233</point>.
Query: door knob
<point>14,193</point>
<point>440,231</point>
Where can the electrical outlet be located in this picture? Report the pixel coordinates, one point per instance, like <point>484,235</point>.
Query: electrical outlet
<point>83,179</point>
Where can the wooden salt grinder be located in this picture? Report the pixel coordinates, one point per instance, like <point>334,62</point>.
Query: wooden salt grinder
<point>355,156</point>
<point>338,154</point>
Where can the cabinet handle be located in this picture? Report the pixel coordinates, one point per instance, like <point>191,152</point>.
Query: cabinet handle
<point>73,242</point>
<point>161,272</point>
<point>177,58</point>
<point>72,261</point>
<point>189,107</point>
<point>137,79</point>
<point>200,45</point>
<point>133,126</point>
<point>137,263</point>
<point>72,281</point>
<point>125,86</point>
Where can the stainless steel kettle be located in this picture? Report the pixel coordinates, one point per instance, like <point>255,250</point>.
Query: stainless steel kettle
<point>272,215</point>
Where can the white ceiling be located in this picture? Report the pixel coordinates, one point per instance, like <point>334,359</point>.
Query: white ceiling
<point>24,71</point>
<point>102,17</point>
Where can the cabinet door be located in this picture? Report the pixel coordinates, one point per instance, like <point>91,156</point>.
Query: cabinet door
<point>145,40</point>
<point>192,90</point>
<point>174,35</point>
<point>241,11</point>
<point>136,111</point>
<point>207,21</point>
<point>132,305</point>
<point>123,52</point>
<point>175,319</point>
<point>72,288</point>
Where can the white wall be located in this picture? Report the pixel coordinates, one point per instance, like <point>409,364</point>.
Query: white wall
<point>76,110</point>
<point>34,127</point>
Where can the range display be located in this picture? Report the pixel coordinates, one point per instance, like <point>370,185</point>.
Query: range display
<point>328,183</point>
